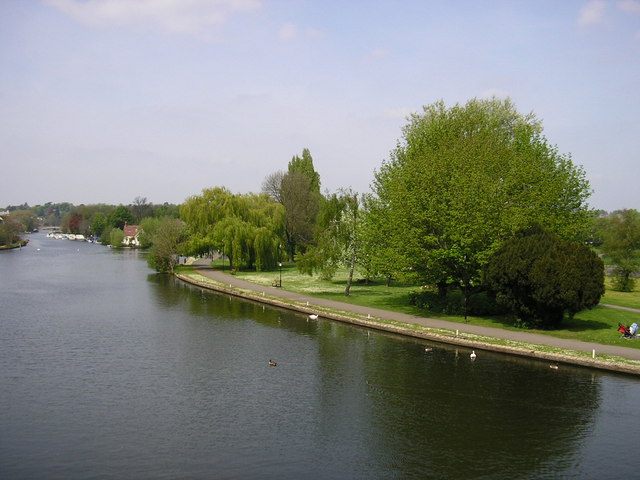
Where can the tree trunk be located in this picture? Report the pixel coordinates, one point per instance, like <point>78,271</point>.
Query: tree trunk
<point>442,289</point>
<point>352,267</point>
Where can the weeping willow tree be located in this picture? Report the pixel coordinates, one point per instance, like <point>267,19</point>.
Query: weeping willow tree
<point>246,228</point>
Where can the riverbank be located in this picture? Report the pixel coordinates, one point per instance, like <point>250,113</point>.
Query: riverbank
<point>12,246</point>
<point>553,350</point>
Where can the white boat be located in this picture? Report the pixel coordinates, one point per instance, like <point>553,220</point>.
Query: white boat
<point>80,238</point>
<point>71,236</point>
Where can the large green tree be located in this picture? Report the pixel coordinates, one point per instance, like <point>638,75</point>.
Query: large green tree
<point>540,277</point>
<point>464,179</point>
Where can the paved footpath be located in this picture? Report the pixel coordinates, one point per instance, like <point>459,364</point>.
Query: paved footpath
<point>517,336</point>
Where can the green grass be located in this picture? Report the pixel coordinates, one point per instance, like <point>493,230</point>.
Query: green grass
<point>374,295</point>
<point>598,325</point>
<point>623,299</point>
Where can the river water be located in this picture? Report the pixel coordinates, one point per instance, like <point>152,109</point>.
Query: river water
<point>108,370</point>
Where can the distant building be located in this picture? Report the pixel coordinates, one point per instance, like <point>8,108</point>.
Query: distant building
<point>131,233</point>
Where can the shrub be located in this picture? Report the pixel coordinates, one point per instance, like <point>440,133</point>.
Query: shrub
<point>478,304</point>
<point>540,277</point>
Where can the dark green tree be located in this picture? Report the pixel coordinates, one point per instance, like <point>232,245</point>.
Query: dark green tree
<point>298,191</point>
<point>98,224</point>
<point>119,216</point>
<point>540,277</point>
<point>304,165</point>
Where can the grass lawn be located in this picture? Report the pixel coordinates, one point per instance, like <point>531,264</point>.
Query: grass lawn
<point>375,295</point>
<point>598,325</point>
<point>623,299</point>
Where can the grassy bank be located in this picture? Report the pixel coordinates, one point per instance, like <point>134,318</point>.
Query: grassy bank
<point>598,325</point>
<point>14,245</point>
<point>623,299</point>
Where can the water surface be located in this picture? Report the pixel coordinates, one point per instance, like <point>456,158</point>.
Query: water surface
<point>108,370</point>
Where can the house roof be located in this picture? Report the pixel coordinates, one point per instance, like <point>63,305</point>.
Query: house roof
<point>130,230</point>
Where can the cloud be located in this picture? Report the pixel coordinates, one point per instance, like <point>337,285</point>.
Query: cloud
<point>592,13</point>
<point>377,53</point>
<point>194,17</point>
<point>288,32</point>
<point>629,6</point>
<point>380,52</point>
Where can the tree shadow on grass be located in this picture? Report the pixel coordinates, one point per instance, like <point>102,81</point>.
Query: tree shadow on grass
<point>577,325</point>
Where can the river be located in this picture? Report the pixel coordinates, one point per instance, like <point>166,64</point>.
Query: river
<point>108,370</point>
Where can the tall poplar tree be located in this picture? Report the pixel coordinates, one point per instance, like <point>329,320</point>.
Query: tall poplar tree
<point>298,191</point>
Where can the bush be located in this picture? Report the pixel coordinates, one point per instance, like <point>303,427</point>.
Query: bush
<point>479,304</point>
<point>116,236</point>
<point>540,277</point>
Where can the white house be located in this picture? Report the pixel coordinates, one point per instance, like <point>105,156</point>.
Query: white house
<point>131,233</point>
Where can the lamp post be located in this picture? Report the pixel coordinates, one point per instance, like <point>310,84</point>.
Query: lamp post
<point>280,262</point>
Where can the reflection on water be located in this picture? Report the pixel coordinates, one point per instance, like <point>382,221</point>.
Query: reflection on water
<point>111,371</point>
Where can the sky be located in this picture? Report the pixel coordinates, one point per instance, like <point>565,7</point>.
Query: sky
<point>103,101</point>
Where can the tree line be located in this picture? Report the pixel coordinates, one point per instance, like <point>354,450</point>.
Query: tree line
<point>473,204</point>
